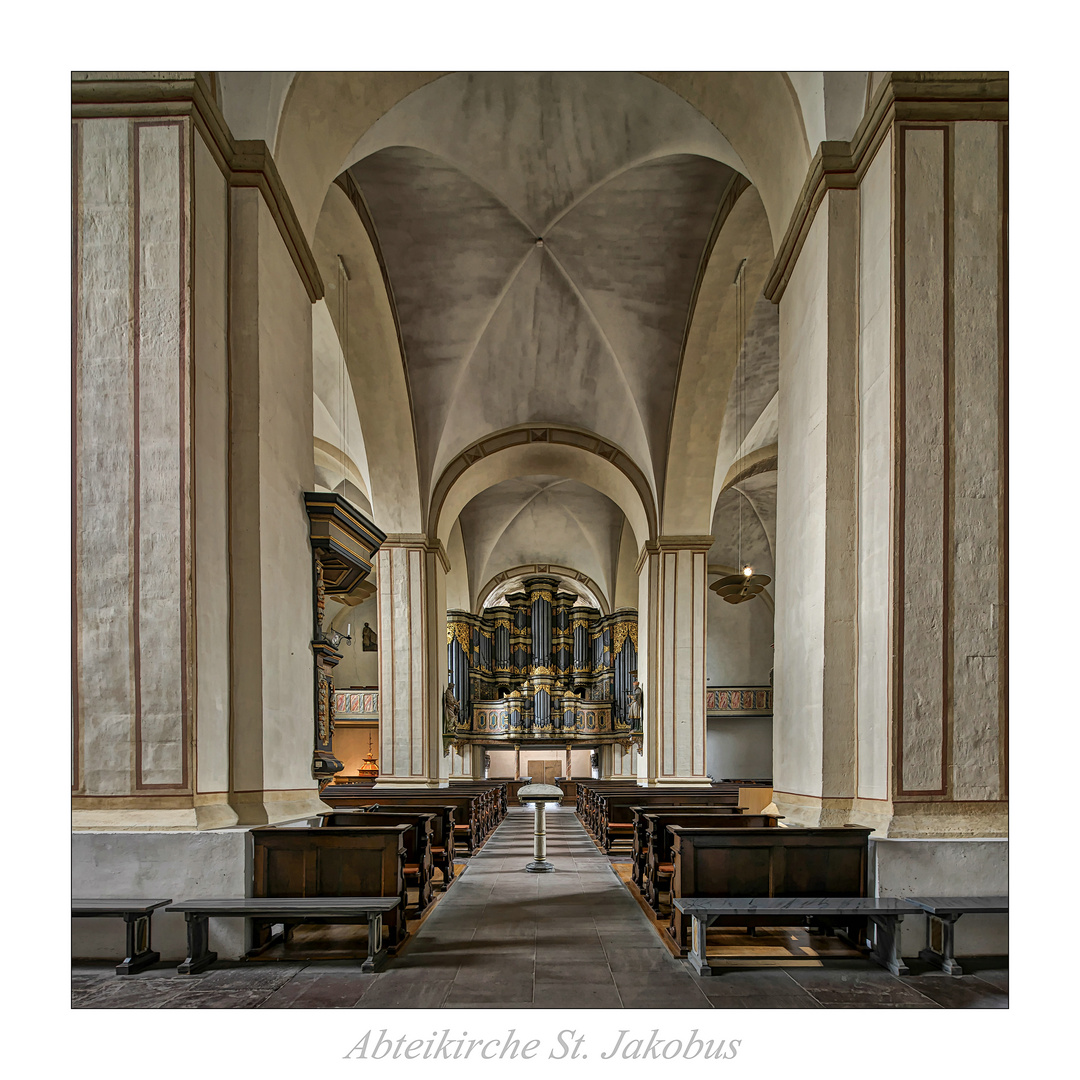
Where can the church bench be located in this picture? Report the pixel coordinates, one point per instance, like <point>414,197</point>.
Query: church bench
<point>419,842</point>
<point>885,913</point>
<point>615,819</point>
<point>594,803</point>
<point>296,861</point>
<point>948,909</point>
<point>640,823</point>
<point>469,814</point>
<point>442,836</point>
<point>136,915</point>
<point>656,858</point>
<point>268,910</point>
<point>766,862</point>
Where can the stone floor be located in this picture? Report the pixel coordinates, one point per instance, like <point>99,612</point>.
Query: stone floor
<point>504,938</point>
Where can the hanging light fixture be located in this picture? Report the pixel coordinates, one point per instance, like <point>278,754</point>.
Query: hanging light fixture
<point>745,585</point>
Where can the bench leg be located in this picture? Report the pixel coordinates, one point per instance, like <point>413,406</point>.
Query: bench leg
<point>199,956</point>
<point>886,937</point>
<point>944,959</point>
<point>139,954</point>
<point>374,942</point>
<point>695,955</point>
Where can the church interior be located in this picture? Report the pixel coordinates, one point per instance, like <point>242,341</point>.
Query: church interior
<point>605,468</point>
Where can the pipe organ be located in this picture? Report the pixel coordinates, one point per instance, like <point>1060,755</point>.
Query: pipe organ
<point>539,668</point>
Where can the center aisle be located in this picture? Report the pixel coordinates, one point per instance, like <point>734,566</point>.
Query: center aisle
<point>502,937</point>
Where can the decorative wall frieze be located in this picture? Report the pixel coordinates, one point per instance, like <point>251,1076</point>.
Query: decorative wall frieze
<point>942,97</point>
<point>243,162</point>
<point>738,700</point>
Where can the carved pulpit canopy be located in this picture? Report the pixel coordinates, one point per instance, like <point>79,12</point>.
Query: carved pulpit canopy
<point>343,545</point>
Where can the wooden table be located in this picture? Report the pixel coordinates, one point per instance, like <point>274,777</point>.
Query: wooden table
<point>883,911</point>
<point>136,915</point>
<point>948,909</point>
<point>278,909</point>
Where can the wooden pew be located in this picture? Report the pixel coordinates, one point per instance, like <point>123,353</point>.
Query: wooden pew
<point>594,800</point>
<point>615,820</point>
<point>470,811</point>
<point>441,824</point>
<point>419,842</point>
<point>767,862</point>
<point>305,861</point>
<point>656,858</point>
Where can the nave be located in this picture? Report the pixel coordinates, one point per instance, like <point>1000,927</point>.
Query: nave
<point>501,938</point>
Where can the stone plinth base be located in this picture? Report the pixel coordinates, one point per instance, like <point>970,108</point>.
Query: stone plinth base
<point>943,867</point>
<point>179,865</point>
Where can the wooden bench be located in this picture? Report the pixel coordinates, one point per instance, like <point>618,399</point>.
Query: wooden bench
<point>474,810</point>
<point>442,834</point>
<point>769,862</point>
<point>615,820</point>
<point>641,828</point>
<point>136,915</point>
<point>295,862</point>
<point>885,913</point>
<point>948,909</point>
<point>418,840</point>
<point>268,910</point>
<point>658,861</point>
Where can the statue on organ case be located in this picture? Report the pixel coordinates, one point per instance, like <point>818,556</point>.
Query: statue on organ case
<point>450,710</point>
<point>636,697</point>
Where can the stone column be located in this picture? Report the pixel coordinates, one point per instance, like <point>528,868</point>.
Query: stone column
<point>412,659</point>
<point>671,659</point>
<point>191,317</point>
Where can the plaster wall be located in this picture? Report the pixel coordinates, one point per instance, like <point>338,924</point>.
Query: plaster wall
<point>945,868</point>
<point>875,472</point>
<point>211,452</point>
<point>286,471</point>
<point>979,550</point>
<point>739,747</point>
<point>923,460</point>
<point>133,666</point>
<point>800,519</point>
<point>738,643</point>
<point>357,668</point>
<point>502,761</point>
<point>174,865</point>
<point>351,745</point>
<point>102,437</point>
<point>626,586</point>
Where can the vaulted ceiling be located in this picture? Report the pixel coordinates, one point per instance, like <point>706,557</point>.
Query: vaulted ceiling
<point>542,237</point>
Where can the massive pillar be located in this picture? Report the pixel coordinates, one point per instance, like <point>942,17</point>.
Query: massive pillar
<point>412,659</point>
<point>191,322</point>
<point>891,519</point>
<point>672,577</point>
<point>192,436</point>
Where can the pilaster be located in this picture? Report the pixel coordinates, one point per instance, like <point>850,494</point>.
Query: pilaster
<point>672,578</point>
<point>412,624</point>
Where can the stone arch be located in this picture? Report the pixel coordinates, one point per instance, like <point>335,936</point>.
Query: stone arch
<point>710,354</point>
<point>375,362</point>
<point>544,568</point>
<point>519,451</point>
